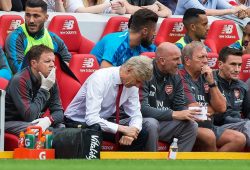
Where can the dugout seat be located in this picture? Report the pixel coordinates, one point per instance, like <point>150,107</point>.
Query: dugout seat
<point>171,30</point>
<point>212,60</point>
<point>68,86</point>
<point>8,23</point>
<point>66,27</point>
<point>83,65</point>
<point>221,33</point>
<point>10,142</point>
<point>109,146</point>
<point>115,24</point>
<point>163,146</point>
<point>245,67</point>
<point>149,54</point>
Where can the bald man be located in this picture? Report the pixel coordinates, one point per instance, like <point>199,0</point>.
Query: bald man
<point>164,113</point>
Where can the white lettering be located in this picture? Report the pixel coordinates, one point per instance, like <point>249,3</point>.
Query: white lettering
<point>42,155</point>
<point>159,105</point>
<point>87,70</point>
<point>176,34</point>
<point>68,32</point>
<point>27,142</point>
<point>94,143</point>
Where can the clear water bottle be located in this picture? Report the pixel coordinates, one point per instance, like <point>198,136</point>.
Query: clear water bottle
<point>173,149</point>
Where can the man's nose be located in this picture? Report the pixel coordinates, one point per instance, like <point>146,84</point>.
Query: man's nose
<point>237,68</point>
<point>31,19</point>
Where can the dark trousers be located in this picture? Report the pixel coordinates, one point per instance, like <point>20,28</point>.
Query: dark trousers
<point>137,145</point>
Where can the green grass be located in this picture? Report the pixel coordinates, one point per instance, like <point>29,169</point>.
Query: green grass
<point>125,164</point>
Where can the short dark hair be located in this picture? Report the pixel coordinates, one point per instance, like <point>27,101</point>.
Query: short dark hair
<point>36,51</point>
<point>191,15</point>
<point>141,18</point>
<point>36,3</point>
<point>226,51</point>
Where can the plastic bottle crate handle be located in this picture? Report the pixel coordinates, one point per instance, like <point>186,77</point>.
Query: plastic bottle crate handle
<point>36,127</point>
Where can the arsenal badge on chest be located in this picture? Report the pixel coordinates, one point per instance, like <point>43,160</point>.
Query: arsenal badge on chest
<point>169,89</point>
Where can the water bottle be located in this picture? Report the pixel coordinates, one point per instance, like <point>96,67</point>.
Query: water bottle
<point>48,139</point>
<point>173,149</point>
<point>30,139</point>
<point>21,140</point>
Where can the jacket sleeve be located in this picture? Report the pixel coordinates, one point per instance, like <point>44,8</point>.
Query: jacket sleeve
<point>55,105</point>
<point>14,48</point>
<point>29,109</point>
<point>149,111</point>
<point>4,67</point>
<point>246,104</point>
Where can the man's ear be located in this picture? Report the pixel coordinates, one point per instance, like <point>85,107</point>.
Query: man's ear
<point>33,63</point>
<point>144,31</point>
<point>220,64</point>
<point>192,27</point>
<point>47,17</point>
<point>186,59</point>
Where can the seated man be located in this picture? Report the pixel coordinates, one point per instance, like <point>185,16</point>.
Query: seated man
<point>97,100</point>
<point>161,10</point>
<point>243,44</point>
<point>201,89</point>
<point>115,48</point>
<point>4,66</point>
<point>211,7</point>
<point>31,92</point>
<point>32,33</point>
<point>163,108</point>
<point>196,24</point>
<point>235,91</point>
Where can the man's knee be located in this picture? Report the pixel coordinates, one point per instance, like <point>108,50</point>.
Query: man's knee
<point>232,136</point>
<point>206,134</point>
<point>151,125</point>
<point>206,139</point>
<point>191,127</point>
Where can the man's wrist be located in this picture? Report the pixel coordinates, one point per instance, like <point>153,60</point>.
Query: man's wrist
<point>211,85</point>
<point>51,119</point>
<point>121,129</point>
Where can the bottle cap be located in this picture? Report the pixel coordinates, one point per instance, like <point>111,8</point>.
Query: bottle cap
<point>47,132</point>
<point>175,140</point>
<point>29,131</point>
<point>21,134</point>
<point>43,139</point>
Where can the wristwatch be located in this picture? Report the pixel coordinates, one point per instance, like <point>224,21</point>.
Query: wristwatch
<point>212,85</point>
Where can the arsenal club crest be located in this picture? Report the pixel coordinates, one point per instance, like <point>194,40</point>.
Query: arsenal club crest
<point>169,89</point>
<point>206,87</point>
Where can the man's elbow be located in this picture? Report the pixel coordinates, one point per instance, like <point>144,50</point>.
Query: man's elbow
<point>221,108</point>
